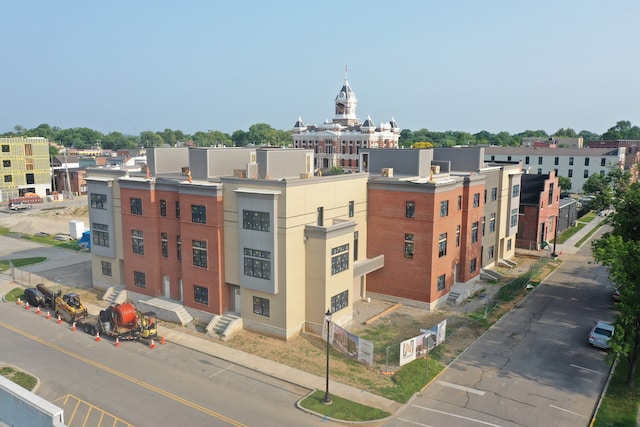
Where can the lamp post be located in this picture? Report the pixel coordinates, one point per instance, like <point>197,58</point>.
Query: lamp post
<point>555,237</point>
<point>327,319</point>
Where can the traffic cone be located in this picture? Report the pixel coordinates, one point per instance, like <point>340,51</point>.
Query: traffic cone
<point>97,336</point>
<point>19,302</point>
<point>48,315</point>
<point>162,340</point>
<point>153,344</point>
<point>73,326</point>
<point>26,306</point>
<point>38,310</point>
<point>117,342</point>
<point>59,319</point>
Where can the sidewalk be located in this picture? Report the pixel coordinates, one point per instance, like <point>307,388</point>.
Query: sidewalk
<point>253,362</point>
<point>569,247</point>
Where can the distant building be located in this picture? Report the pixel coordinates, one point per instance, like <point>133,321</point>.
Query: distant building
<point>338,142</point>
<point>552,142</point>
<point>24,168</point>
<point>576,164</point>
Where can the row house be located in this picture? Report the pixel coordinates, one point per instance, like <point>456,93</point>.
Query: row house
<point>25,167</point>
<point>539,211</point>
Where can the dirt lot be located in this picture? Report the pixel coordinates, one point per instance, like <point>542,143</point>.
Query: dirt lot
<point>307,352</point>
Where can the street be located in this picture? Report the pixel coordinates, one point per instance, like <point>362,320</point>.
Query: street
<point>534,366</point>
<point>168,385</point>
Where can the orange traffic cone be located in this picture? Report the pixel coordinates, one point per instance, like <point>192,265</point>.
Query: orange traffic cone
<point>19,302</point>
<point>59,319</point>
<point>97,336</point>
<point>48,315</point>
<point>38,310</point>
<point>162,340</point>
<point>73,326</point>
<point>26,306</point>
<point>117,342</point>
<point>153,344</point>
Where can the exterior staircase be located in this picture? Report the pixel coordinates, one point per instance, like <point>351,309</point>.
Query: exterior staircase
<point>115,295</point>
<point>222,327</point>
<point>452,299</point>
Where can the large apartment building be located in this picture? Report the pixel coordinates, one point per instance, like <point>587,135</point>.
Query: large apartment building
<point>25,167</point>
<point>204,230</point>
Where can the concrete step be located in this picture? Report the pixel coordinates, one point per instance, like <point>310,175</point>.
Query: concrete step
<point>452,299</point>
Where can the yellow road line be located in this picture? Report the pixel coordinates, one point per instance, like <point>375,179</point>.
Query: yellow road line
<point>91,407</point>
<point>126,377</point>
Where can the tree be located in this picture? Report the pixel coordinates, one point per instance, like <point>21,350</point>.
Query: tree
<point>600,188</point>
<point>150,139</point>
<point>240,138</point>
<point>335,170</point>
<point>566,133</point>
<point>565,183</point>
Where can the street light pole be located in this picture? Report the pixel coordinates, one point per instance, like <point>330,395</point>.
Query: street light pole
<point>555,238</point>
<point>327,397</point>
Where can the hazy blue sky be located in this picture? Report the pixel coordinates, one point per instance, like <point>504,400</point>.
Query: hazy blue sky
<point>473,65</point>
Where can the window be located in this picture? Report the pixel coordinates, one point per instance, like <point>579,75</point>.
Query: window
<point>570,161</point>
<point>320,219</point>
<point>491,252</point>
<point>261,306</point>
<point>139,279</point>
<point>539,171</point>
<point>444,208</point>
<point>201,294</point>
<point>508,158</point>
<point>473,265</point>
<point>442,245</point>
<point>253,220</point>
<point>355,245</point>
<point>458,236</point>
<point>136,206</point>
<point>98,201</point>
<point>476,200</point>
<point>31,178</point>
<point>601,173</point>
<point>493,158</point>
<point>6,163</point>
<point>257,263</point>
<point>515,191</point>
<point>351,209</point>
<point>474,232</point>
<point>100,234</point>
<point>163,208</point>
<point>28,163</point>
<point>526,160</point>
<point>177,209</point>
<point>492,223</point>
<point>586,161</point>
<point>410,209</point>
<point>339,301</point>
<point>550,198</point>
<point>556,161</point>
<point>28,150</point>
<point>5,148</point>
<point>8,178</point>
<point>603,162</point>
<point>441,282</point>
<point>179,246</point>
<point>485,196</point>
<point>199,248</point>
<point>408,245</point>
<point>483,221</point>
<point>106,268</point>
<point>509,244</point>
<point>494,194</point>
<point>586,173</point>
<point>514,217</point>
<point>339,259</point>
<point>570,174</point>
<point>138,241</point>
<point>164,245</point>
<point>459,202</point>
<point>539,160</point>
<point>199,214</point>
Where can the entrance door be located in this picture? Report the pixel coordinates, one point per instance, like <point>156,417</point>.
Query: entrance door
<point>236,299</point>
<point>166,286</point>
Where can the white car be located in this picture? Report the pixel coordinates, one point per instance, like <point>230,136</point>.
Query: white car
<point>600,334</point>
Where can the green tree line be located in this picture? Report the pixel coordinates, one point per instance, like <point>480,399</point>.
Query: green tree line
<point>264,134</point>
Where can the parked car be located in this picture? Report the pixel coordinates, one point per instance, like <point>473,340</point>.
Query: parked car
<point>34,297</point>
<point>600,334</point>
<point>18,206</point>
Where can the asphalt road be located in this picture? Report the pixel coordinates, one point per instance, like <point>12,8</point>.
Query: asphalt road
<point>532,368</point>
<point>135,385</point>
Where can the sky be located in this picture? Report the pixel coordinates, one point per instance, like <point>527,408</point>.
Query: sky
<point>224,65</point>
